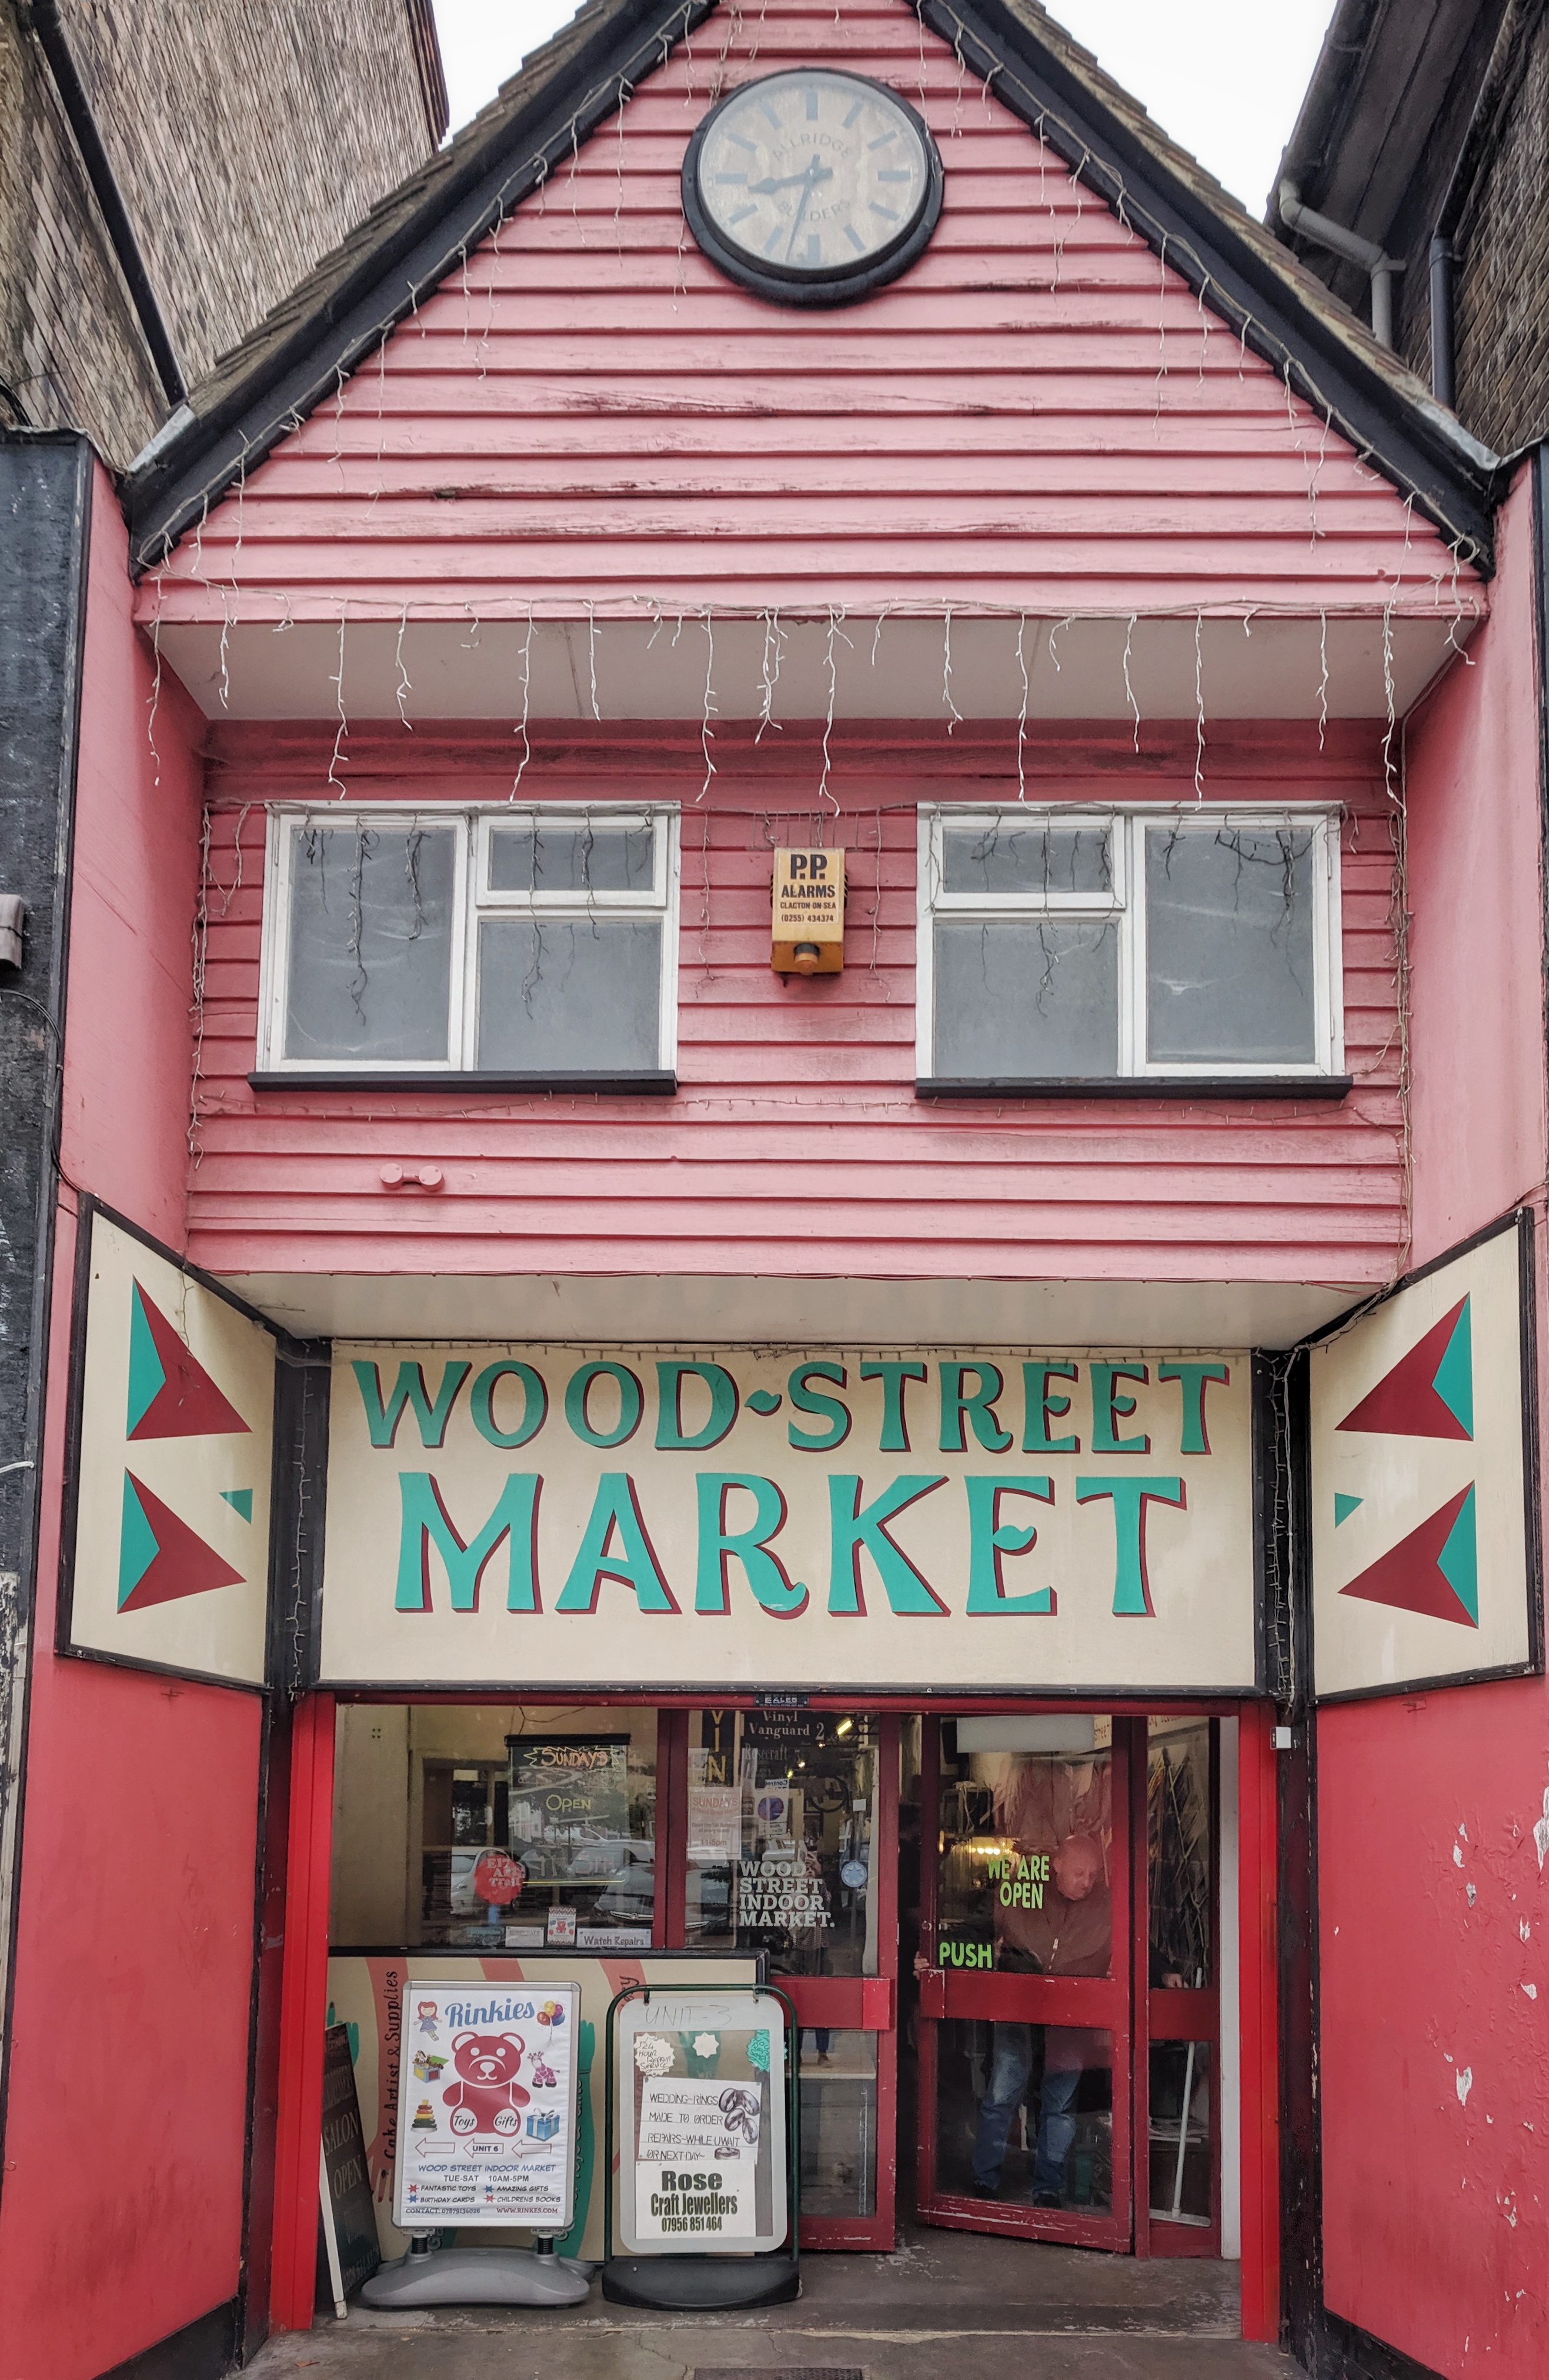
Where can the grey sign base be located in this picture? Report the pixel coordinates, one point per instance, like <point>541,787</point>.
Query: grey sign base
<point>430,2276</point>
<point>681,2284</point>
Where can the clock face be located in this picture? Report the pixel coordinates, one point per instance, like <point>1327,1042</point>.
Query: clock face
<point>811,187</point>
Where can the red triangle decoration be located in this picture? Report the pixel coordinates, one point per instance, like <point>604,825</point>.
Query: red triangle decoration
<point>188,1404</point>
<point>1410,1576</point>
<point>1405,1402</point>
<point>170,1561</point>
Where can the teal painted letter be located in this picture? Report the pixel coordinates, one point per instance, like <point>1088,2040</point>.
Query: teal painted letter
<point>631,1403</point>
<point>616,1510</point>
<point>408,1389</point>
<point>427,1524</point>
<point>719,1547</point>
<point>668,1411</point>
<point>959,1405</point>
<point>1108,1407</point>
<point>1041,1407</point>
<point>813,1400</point>
<point>535,1403</point>
<point>987,1540</point>
<point>1131,1587</point>
<point>1196,1437</point>
<point>908,1591</point>
<point>895,1428</point>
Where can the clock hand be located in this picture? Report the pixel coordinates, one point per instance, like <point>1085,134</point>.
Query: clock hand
<point>789,181</point>
<point>815,174</point>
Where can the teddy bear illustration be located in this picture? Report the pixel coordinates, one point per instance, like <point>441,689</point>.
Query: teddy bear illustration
<point>486,2095</point>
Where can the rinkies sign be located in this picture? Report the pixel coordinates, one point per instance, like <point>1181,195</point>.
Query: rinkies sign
<point>830,1519</point>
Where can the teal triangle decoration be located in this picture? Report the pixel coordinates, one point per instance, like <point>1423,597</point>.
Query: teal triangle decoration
<point>138,1547</point>
<point>147,1373</point>
<point>1345,1505</point>
<point>1453,1379</point>
<point>240,1500</point>
<point>1458,1559</point>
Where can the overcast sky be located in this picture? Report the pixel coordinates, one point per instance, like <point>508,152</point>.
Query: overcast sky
<point>1223,76</point>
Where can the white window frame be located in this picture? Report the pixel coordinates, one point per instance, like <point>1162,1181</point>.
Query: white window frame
<point>471,824</point>
<point>1123,902</point>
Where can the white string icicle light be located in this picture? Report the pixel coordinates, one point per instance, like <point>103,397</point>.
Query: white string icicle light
<point>706,734</point>
<point>334,777</point>
<point>526,707</point>
<point>772,636</point>
<point>403,689</point>
<point>955,720</point>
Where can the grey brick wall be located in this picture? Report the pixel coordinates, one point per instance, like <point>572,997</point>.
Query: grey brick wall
<point>1501,285</point>
<point>247,136</point>
<point>1503,279</point>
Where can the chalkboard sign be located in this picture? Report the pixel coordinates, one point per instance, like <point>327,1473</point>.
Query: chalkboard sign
<point>349,2215</point>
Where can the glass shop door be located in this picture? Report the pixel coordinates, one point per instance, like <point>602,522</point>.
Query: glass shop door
<point>1026,1976</point>
<point>788,1844</point>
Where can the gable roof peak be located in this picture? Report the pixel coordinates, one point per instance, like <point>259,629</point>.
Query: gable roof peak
<point>305,348</point>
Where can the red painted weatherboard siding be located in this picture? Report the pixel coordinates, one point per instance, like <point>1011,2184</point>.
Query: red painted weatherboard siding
<point>1037,417</point>
<point>795,1144</point>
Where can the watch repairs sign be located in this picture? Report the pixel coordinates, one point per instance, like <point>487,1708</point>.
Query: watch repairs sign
<point>486,2106</point>
<point>658,1518</point>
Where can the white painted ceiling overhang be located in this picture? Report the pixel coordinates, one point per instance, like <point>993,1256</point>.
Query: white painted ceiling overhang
<point>703,1311</point>
<point>729,666</point>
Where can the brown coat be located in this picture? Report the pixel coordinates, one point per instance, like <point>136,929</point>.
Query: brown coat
<point>1063,1937</point>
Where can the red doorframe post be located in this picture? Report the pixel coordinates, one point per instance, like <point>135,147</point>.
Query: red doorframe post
<point>303,2006</point>
<point>1258,2001</point>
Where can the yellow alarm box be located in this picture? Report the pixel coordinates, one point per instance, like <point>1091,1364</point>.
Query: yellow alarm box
<point>808,912</point>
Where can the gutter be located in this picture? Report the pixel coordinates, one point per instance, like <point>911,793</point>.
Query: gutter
<point>1323,232</point>
<point>44,17</point>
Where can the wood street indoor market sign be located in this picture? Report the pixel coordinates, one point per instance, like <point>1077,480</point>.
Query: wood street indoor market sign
<point>922,1520</point>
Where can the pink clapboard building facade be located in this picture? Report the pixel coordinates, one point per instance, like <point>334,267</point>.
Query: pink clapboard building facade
<point>1103,1261</point>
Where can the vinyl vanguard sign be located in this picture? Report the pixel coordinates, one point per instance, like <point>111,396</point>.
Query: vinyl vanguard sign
<point>656,1519</point>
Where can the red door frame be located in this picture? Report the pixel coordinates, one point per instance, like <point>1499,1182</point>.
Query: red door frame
<point>1185,2016</point>
<point>839,2003</point>
<point>1259,2009</point>
<point>303,2014</point>
<point>866,2004</point>
<point>305,1987</point>
<point>1103,2002</point>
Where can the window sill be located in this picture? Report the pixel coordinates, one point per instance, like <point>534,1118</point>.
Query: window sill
<point>1135,1087</point>
<point>658,1083</point>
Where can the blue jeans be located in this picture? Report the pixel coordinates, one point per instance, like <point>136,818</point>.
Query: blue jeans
<point>1009,2070</point>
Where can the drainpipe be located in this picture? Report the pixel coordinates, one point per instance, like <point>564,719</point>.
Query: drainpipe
<point>1444,376</point>
<point>44,17</point>
<point>1373,260</point>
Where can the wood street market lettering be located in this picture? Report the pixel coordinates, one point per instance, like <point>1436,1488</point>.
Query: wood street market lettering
<point>1104,1409</point>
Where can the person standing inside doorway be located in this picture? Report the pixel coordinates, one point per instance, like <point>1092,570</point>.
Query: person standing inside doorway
<point>1065,1930</point>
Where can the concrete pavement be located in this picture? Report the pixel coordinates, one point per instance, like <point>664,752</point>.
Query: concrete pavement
<point>945,2305</point>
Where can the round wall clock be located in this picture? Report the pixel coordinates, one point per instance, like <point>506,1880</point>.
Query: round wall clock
<point>812,187</point>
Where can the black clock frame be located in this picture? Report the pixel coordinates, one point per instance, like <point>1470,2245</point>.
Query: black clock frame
<point>836,285</point>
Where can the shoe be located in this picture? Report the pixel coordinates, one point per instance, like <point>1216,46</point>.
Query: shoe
<point>983,2189</point>
<point>1049,2199</point>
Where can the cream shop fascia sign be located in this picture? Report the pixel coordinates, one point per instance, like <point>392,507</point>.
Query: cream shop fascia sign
<point>830,1519</point>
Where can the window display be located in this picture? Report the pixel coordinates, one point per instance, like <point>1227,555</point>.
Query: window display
<point>781,1807</point>
<point>484,1826</point>
<point>582,1871</point>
